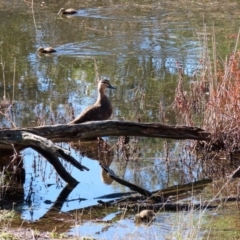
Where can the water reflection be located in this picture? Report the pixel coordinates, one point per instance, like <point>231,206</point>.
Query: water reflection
<point>166,226</point>
<point>98,150</point>
<point>149,173</point>
<point>47,186</point>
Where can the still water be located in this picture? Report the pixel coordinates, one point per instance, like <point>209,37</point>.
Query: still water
<point>139,46</point>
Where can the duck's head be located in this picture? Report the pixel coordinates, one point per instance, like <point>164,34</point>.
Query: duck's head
<point>104,83</point>
<point>137,218</point>
<point>61,11</point>
<point>41,50</point>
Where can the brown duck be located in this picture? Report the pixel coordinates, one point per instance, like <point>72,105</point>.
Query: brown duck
<point>101,109</point>
<point>46,50</point>
<point>144,216</point>
<point>67,11</point>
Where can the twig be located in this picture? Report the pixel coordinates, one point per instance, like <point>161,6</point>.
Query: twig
<point>14,78</point>
<point>4,82</point>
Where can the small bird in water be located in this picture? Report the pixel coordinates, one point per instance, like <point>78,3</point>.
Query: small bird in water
<point>101,109</point>
<point>144,216</point>
<point>46,50</point>
<point>67,11</point>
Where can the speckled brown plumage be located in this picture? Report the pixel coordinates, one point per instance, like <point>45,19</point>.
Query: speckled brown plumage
<point>67,11</point>
<point>101,109</point>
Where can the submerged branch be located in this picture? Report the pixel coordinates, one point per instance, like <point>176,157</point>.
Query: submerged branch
<point>159,195</point>
<point>133,187</point>
<point>167,199</point>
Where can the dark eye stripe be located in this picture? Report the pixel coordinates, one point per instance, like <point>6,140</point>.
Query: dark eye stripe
<point>106,82</point>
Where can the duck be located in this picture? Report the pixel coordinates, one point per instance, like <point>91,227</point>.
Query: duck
<point>101,109</point>
<point>46,50</point>
<point>144,216</point>
<point>67,11</point>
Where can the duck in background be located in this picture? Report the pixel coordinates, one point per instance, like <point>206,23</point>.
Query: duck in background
<point>46,50</point>
<point>67,11</point>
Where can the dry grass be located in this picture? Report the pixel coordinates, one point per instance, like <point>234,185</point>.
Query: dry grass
<point>212,102</point>
<point>222,116</point>
<point>215,94</point>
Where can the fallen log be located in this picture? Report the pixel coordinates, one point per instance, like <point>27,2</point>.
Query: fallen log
<point>156,200</point>
<point>51,152</point>
<point>67,133</point>
<point>173,206</point>
<point>42,139</point>
<point>158,195</point>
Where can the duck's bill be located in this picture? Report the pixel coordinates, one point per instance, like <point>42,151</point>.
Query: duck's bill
<point>112,87</point>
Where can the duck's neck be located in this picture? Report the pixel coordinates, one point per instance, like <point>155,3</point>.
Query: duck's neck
<point>101,94</point>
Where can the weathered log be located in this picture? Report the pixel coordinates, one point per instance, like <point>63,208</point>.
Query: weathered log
<point>66,133</point>
<point>166,206</point>
<point>57,165</point>
<point>51,152</point>
<point>182,188</point>
<point>41,138</point>
<point>156,200</point>
<point>173,193</point>
<point>159,195</point>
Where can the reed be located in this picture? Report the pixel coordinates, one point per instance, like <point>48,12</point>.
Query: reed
<point>214,93</point>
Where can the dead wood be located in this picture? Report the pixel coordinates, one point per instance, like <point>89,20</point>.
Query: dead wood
<point>66,133</point>
<point>156,200</point>
<point>160,194</point>
<point>41,139</point>
<point>133,187</point>
<point>50,151</point>
<point>166,206</point>
<point>181,189</point>
<point>170,205</point>
<point>57,165</point>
